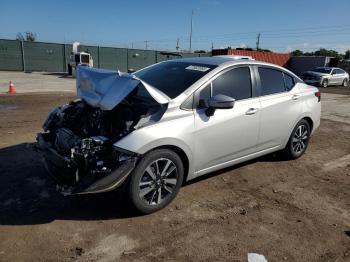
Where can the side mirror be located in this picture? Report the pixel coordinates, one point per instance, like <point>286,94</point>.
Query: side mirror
<point>131,70</point>
<point>219,102</point>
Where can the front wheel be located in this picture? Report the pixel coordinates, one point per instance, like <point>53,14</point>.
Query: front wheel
<point>325,83</point>
<point>156,180</point>
<point>345,83</point>
<point>298,140</point>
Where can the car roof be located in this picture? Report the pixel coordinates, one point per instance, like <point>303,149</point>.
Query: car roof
<point>210,60</point>
<point>220,60</point>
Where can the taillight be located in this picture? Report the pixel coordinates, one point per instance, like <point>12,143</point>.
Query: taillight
<point>318,95</point>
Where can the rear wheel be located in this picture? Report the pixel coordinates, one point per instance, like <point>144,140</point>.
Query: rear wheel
<point>156,180</point>
<point>325,83</point>
<point>298,140</point>
<point>345,82</point>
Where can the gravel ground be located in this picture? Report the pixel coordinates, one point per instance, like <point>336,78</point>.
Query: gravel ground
<point>37,82</point>
<point>284,210</point>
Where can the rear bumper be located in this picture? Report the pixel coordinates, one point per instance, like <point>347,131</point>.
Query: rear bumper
<point>64,171</point>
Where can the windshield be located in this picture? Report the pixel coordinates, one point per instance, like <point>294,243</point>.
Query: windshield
<point>173,78</point>
<point>323,70</point>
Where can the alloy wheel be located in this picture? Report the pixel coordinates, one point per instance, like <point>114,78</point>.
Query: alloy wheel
<point>300,139</point>
<point>325,83</point>
<point>158,181</point>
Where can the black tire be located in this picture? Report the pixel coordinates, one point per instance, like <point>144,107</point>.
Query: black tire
<point>297,144</point>
<point>324,83</point>
<point>141,181</point>
<point>345,83</point>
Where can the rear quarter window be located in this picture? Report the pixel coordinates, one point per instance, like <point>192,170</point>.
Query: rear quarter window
<point>289,81</point>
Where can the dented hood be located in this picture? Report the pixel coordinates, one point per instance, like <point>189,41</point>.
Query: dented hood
<point>106,89</point>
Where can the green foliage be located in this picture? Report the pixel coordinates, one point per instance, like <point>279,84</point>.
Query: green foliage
<point>29,36</point>
<point>264,50</point>
<point>297,53</point>
<point>320,52</point>
<point>347,55</point>
<point>19,36</point>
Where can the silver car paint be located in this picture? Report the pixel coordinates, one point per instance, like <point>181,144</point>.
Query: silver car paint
<point>105,88</point>
<point>336,79</point>
<point>230,136</point>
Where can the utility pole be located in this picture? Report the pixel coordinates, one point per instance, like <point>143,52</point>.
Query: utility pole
<point>146,42</point>
<point>212,46</point>
<point>257,41</point>
<point>177,44</point>
<point>191,31</point>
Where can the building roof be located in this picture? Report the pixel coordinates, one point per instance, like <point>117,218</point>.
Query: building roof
<point>280,59</point>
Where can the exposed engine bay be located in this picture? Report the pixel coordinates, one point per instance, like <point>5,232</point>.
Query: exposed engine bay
<point>78,143</point>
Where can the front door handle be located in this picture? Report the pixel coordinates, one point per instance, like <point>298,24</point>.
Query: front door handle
<point>295,97</point>
<point>251,111</point>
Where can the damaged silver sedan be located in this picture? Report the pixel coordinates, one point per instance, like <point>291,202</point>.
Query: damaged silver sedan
<point>172,122</point>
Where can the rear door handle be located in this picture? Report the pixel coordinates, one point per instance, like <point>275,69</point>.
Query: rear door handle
<point>251,111</point>
<point>295,97</point>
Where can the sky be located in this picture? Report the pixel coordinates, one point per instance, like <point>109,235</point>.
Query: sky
<point>283,25</point>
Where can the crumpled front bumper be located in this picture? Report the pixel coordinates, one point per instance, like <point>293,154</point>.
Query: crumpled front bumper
<point>63,170</point>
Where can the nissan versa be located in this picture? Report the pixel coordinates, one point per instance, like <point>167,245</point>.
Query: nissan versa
<point>173,121</point>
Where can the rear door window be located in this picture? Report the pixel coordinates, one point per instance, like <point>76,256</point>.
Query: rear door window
<point>272,81</point>
<point>235,83</point>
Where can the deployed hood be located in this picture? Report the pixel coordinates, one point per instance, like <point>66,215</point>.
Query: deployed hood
<point>106,89</point>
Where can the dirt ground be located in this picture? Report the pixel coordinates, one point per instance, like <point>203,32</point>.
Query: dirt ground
<point>287,211</point>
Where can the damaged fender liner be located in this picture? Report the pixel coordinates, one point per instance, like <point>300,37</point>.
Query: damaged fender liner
<point>58,165</point>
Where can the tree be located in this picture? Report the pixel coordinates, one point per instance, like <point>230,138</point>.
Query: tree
<point>19,36</point>
<point>297,53</point>
<point>200,51</point>
<point>325,52</point>
<point>29,36</point>
<point>320,52</point>
<point>347,55</point>
<point>263,50</point>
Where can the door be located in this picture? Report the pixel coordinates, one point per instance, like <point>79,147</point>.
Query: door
<point>281,105</point>
<point>229,133</point>
<point>333,79</point>
<point>339,76</point>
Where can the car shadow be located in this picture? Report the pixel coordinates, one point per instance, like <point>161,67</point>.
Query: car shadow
<point>28,196</point>
<point>58,74</point>
<point>273,157</point>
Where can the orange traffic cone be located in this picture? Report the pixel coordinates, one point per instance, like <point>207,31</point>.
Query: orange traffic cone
<point>12,89</point>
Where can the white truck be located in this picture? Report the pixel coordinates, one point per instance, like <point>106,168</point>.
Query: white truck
<point>79,58</point>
